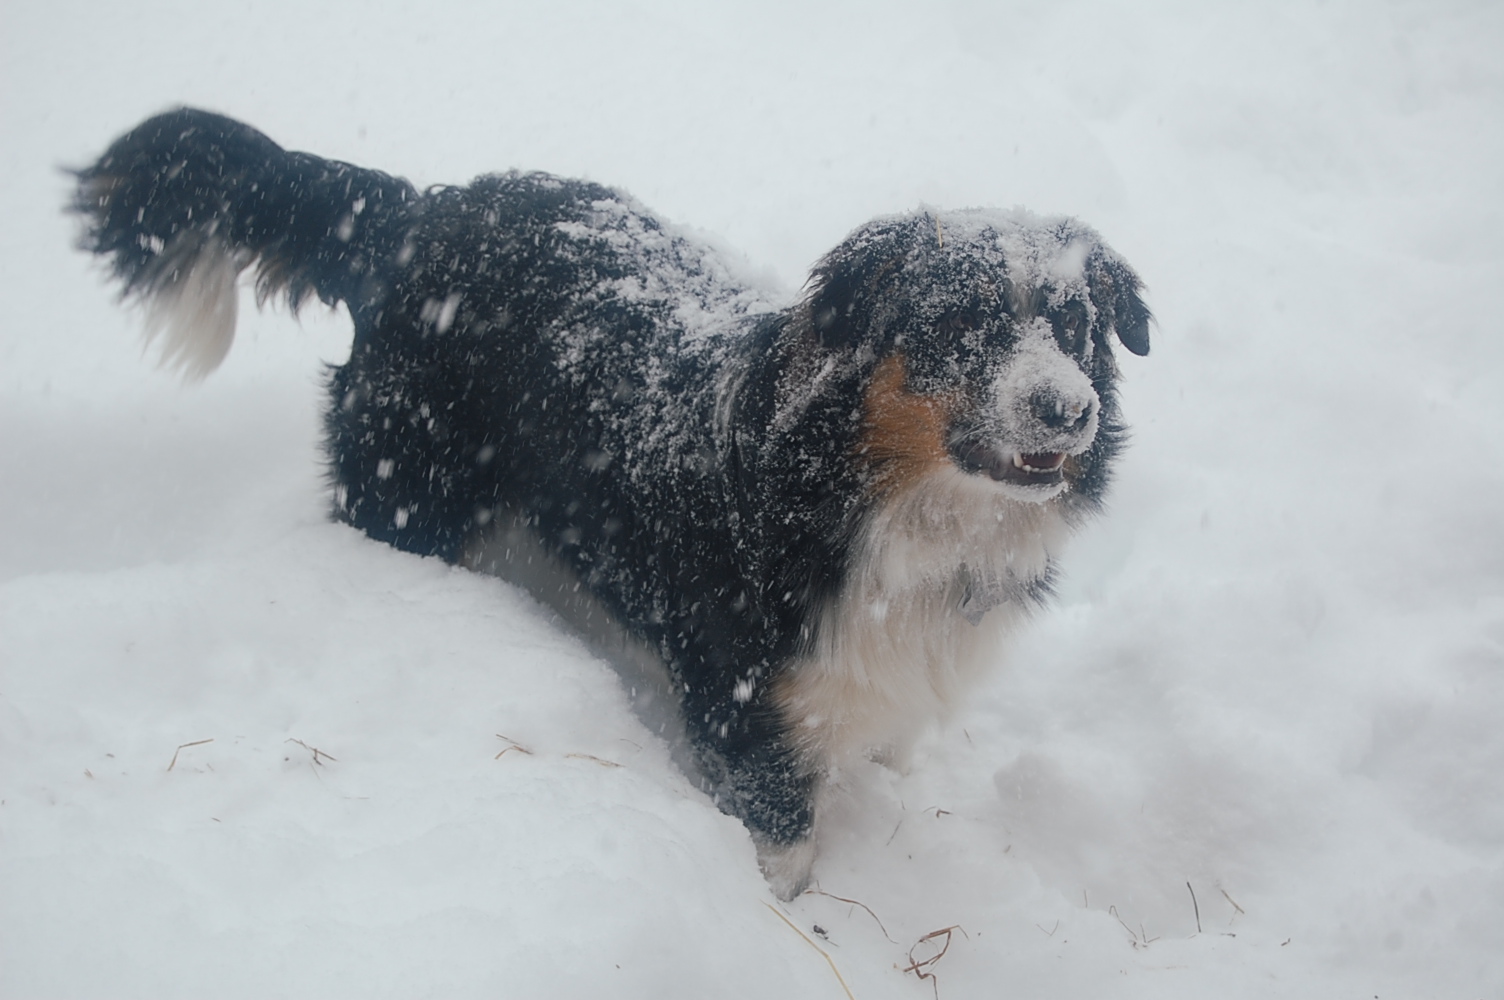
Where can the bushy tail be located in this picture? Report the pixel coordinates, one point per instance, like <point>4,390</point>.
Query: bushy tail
<point>184,202</point>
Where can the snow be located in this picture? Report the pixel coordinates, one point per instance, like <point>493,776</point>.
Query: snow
<point>1273,673</point>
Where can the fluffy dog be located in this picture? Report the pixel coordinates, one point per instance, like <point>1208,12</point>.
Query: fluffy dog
<point>820,516</point>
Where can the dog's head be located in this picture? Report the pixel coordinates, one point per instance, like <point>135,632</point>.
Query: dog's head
<point>988,343</point>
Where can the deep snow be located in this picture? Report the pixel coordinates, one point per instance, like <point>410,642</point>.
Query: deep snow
<point>1275,672</point>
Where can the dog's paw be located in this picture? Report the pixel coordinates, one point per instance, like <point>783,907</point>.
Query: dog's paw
<point>786,866</point>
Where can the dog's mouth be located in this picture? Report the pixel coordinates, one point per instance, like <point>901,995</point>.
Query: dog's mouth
<point>1021,468</point>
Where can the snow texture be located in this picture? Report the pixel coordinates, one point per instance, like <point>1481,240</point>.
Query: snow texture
<point>1273,676</point>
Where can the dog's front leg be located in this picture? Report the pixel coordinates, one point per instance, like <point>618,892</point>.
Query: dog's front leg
<point>754,774</point>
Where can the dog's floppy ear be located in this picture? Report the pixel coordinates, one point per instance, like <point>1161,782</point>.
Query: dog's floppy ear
<point>847,281</point>
<point>1115,292</point>
<point>833,319</point>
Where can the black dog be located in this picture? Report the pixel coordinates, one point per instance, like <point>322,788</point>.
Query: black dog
<point>821,516</point>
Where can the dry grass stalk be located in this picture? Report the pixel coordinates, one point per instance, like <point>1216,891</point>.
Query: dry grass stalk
<point>590,756</point>
<point>1139,939</point>
<point>183,746</point>
<point>511,745</point>
<point>823,953</point>
<point>317,753</point>
<point>922,969</point>
<point>853,902</point>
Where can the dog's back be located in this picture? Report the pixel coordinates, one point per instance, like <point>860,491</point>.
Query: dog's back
<point>469,303</point>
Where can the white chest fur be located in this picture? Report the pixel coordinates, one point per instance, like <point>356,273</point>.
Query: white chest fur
<point>941,573</point>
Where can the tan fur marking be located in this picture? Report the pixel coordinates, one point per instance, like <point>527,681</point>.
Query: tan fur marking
<point>903,432</point>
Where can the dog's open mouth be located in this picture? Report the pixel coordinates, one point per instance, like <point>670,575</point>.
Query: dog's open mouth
<point>1021,468</point>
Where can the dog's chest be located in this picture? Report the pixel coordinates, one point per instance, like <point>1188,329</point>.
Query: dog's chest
<point>939,575</point>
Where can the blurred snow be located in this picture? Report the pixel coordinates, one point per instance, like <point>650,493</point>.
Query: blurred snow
<point>1275,673</point>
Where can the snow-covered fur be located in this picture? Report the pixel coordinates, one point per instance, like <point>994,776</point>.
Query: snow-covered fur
<point>820,515</point>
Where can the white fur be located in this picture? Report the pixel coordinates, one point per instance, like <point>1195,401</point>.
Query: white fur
<point>786,866</point>
<point>192,308</point>
<point>895,650</point>
<point>938,580</point>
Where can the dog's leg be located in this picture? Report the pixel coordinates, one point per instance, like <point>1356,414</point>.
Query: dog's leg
<point>754,774</point>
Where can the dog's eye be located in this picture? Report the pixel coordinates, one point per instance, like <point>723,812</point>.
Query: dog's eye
<point>1072,326</point>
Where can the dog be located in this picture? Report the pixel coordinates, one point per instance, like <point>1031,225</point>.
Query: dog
<point>821,516</point>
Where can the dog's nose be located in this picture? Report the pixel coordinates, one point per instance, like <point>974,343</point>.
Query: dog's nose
<point>1059,411</point>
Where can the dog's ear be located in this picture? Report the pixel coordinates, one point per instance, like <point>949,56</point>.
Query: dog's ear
<point>835,289</point>
<point>849,279</point>
<point>1115,292</point>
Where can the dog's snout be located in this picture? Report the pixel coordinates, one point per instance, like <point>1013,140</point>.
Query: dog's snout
<point>1061,411</point>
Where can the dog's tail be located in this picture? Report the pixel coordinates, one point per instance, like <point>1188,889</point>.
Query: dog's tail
<point>184,202</point>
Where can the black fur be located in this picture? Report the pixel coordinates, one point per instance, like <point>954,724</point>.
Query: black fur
<point>545,351</point>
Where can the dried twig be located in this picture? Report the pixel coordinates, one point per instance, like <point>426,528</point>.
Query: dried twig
<point>317,753</point>
<point>1234,902</point>
<point>590,756</point>
<point>823,953</point>
<point>922,969</point>
<point>1139,939</point>
<point>183,746</point>
<point>1196,906</point>
<point>512,745</point>
<point>853,902</point>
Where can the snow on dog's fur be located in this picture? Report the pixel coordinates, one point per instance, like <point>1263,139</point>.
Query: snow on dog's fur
<point>820,516</point>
